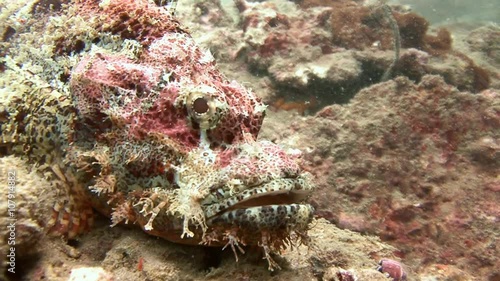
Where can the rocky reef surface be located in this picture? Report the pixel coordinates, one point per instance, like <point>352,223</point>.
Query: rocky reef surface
<point>414,160</point>
<point>405,169</point>
<point>415,164</point>
<point>324,52</point>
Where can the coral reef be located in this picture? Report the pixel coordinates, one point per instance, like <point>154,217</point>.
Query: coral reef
<point>486,40</point>
<point>333,49</point>
<point>416,164</point>
<point>482,45</point>
<point>111,106</point>
<point>419,184</point>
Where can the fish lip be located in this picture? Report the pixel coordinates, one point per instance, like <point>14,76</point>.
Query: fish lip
<point>293,191</point>
<point>287,217</point>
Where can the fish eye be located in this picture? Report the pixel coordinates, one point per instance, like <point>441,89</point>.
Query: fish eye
<point>205,105</point>
<point>200,105</point>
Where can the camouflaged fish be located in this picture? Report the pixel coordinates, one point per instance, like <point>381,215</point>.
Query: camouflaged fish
<point>162,140</point>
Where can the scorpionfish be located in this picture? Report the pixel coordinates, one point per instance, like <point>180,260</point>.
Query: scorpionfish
<point>160,139</point>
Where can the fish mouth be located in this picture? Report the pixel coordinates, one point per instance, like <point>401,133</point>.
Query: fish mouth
<point>270,205</point>
<point>267,217</point>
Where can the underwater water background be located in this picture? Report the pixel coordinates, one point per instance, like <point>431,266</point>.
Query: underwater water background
<point>449,11</point>
<point>444,11</point>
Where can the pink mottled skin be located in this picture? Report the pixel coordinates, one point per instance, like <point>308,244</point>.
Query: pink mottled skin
<point>169,53</point>
<point>95,74</point>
